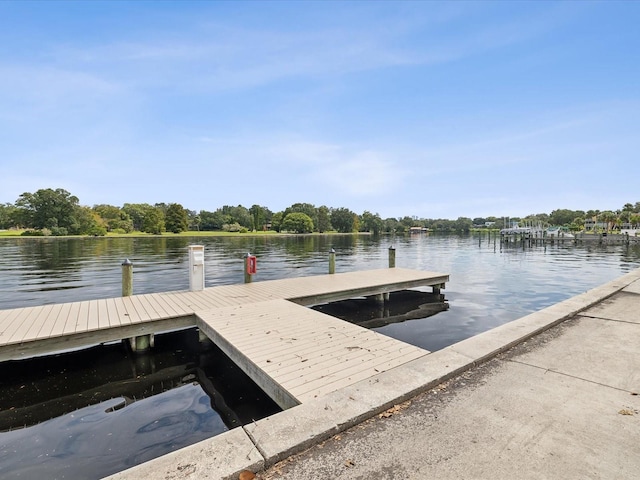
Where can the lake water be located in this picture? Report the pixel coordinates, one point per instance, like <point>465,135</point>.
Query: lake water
<point>489,285</point>
<point>128,421</point>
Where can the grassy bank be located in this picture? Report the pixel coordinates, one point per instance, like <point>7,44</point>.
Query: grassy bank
<point>10,233</point>
<point>17,233</point>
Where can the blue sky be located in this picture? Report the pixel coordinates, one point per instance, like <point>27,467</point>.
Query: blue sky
<point>432,109</point>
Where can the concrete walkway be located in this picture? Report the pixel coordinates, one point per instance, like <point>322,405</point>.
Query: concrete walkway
<point>551,395</point>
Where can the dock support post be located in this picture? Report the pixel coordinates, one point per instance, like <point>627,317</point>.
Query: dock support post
<point>332,261</point>
<point>392,257</point>
<point>127,278</point>
<point>204,341</point>
<point>379,298</point>
<point>386,296</point>
<point>202,337</point>
<point>144,342</point>
<point>437,287</point>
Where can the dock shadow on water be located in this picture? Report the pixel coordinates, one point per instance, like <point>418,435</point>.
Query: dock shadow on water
<point>91,413</point>
<point>401,306</point>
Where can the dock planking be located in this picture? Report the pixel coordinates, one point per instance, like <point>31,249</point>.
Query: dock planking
<point>274,341</point>
<point>292,352</point>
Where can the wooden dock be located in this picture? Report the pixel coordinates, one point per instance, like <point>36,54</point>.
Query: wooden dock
<point>292,352</point>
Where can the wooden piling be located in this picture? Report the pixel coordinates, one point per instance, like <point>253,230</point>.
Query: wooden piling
<point>332,261</point>
<point>392,257</point>
<point>143,342</point>
<point>127,278</point>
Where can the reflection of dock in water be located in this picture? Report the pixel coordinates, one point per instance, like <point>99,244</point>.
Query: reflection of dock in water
<point>402,306</point>
<point>41,389</point>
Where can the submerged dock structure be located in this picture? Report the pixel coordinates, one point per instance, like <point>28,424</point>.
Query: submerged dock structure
<point>292,352</point>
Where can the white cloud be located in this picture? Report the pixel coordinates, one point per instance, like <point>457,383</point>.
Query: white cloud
<point>209,56</point>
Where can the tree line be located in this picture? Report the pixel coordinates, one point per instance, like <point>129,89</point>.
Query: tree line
<point>58,212</point>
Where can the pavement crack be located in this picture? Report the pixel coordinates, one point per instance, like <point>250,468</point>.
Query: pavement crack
<point>593,317</point>
<point>256,445</point>
<point>571,376</point>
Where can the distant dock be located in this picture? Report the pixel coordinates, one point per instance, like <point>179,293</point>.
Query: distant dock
<point>527,237</point>
<point>292,352</point>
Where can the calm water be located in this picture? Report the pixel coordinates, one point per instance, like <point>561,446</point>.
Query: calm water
<point>147,406</point>
<point>489,285</point>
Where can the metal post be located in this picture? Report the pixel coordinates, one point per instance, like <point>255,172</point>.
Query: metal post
<point>127,278</point>
<point>392,257</point>
<point>332,261</point>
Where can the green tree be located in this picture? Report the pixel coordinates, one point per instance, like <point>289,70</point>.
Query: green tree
<point>342,219</point>
<point>409,222</point>
<point>370,222</point>
<point>48,208</point>
<point>577,224</point>
<point>176,219</point>
<point>153,221</point>
<point>194,220</point>
<point>324,219</point>
<point>88,222</point>
<point>213,220</point>
<point>7,216</point>
<point>625,214</point>
<point>238,215</point>
<point>276,221</point>
<point>297,222</point>
<point>390,225</point>
<point>564,216</point>
<point>463,224</point>
<point>443,225</point>
<point>114,218</point>
<point>163,207</point>
<point>136,212</point>
<point>609,218</point>
<point>306,208</point>
<point>261,216</point>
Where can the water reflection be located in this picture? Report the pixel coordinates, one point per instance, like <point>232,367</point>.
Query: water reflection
<point>95,412</point>
<point>400,307</point>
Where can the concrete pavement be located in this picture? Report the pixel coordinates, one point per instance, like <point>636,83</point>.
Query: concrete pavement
<point>550,395</point>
